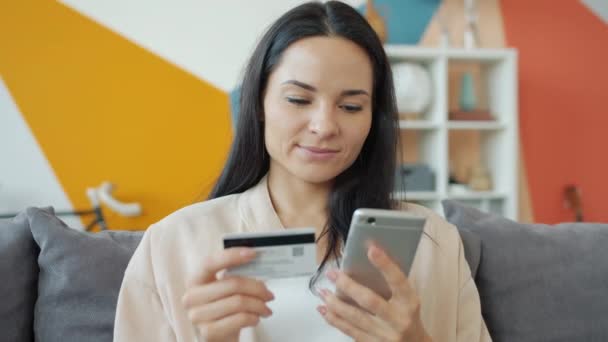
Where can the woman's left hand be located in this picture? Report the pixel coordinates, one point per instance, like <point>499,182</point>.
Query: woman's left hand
<point>396,319</point>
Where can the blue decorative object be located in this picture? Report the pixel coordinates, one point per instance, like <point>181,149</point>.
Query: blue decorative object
<point>468,101</point>
<point>406,20</point>
<point>414,177</point>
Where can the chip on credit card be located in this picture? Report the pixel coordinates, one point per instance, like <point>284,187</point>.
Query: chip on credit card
<point>279,254</point>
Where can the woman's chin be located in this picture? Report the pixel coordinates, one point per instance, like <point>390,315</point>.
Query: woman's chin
<point>313,175</point>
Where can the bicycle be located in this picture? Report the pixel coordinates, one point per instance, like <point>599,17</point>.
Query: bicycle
<point>97,196</point>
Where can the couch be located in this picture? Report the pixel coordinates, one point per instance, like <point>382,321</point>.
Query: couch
<point>536,282</point>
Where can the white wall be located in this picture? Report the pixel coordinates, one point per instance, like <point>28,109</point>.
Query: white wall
<point>26,177</point>
<point>210,38</point>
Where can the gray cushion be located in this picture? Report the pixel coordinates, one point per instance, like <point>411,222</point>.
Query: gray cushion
<point>472,249</point>
<point>19,274</point>
<point>539,282</point>
<point>79,280</point>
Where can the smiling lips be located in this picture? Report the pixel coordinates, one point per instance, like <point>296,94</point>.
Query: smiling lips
<point>317,153</point>
<point>318,150</point>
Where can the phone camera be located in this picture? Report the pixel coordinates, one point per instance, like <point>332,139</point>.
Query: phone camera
<point>371,220</point>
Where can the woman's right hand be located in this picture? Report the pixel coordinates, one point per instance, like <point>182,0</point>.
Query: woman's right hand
<point>219,307</point>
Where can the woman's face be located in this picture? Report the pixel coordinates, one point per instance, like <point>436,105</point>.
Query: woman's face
<point>318,108</point>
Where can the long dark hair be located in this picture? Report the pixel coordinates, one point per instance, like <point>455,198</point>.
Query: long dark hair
<point>369,182</point>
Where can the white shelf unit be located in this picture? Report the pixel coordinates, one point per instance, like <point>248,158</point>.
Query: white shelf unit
<point>498,139</point>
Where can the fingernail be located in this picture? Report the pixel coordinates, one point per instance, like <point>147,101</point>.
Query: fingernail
<point>332,275</point>
<point>270,296</point>
<point>268,312</point>
<point>324,293</point>
<point>375,252</point>
<point>248,252</point>
<point>322,310</point>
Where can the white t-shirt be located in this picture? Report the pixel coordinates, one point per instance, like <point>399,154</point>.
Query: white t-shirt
<point>294,313</point>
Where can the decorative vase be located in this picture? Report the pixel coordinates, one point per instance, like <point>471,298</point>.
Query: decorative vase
<point>480,179</point>
<point>468,100</point>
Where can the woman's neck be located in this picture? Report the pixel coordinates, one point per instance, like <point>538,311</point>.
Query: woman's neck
<point>298,203</point>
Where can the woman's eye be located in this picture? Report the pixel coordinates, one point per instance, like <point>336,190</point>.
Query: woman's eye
<point>298,101</point>
<point>351,108</point>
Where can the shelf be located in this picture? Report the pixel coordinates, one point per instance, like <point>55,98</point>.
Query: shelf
<point>417,195</point>
<point>412,52</point>
<point>480,54</point>
<point>431,196</point>
<point>445,145</point>
<point>481,195</point>
<point>417,125</point>
<point>476,125</point>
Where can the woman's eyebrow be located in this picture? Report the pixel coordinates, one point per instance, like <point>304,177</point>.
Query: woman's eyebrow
<point>349,92</point>
<point>301,84</point>
<point>353,92</point>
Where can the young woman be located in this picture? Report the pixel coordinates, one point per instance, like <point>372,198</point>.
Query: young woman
<point>316,139</point>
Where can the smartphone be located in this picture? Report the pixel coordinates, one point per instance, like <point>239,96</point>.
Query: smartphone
<point>396,232</point>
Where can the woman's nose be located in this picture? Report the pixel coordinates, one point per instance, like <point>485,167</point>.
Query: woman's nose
<point>323,122</point>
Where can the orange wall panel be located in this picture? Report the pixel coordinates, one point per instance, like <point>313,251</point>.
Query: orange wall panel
<point>563,72</point>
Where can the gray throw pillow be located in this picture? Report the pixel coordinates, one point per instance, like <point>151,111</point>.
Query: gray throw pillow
<point>19,274</point>
<point>79,280</point>
<point>539,282</point>
<point>472,249</point>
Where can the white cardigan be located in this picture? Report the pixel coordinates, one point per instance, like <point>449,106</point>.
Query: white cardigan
<point>171,251</point>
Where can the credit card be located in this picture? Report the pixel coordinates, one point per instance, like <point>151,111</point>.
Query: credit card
<point>280,254</point>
